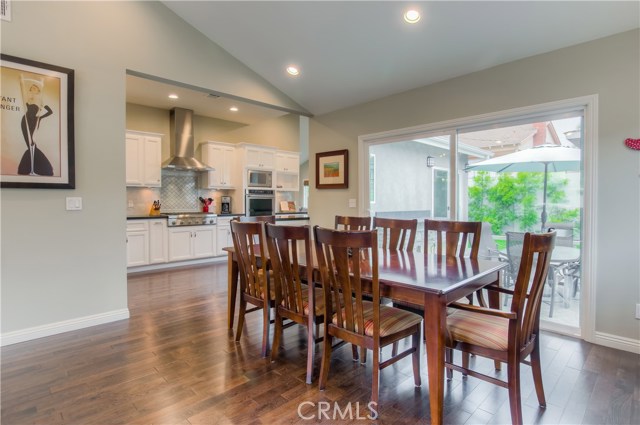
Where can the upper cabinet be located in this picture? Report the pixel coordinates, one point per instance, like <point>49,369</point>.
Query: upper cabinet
<point>222,157</point>
<point>287,171</point>
<point>144,159</point>
<point>258,157</point>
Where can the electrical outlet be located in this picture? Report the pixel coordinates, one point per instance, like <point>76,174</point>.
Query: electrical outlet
<point>637,311</point>
<point>130,204</point>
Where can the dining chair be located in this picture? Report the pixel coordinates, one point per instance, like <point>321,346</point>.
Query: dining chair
<point>344,258</point>
<point>451,239</point>
<point>296,296</point>
<point>506,336</point>
<point>343,222</point>
<point>396,233</point>
<point>255,283</point>
<point>258,218</point>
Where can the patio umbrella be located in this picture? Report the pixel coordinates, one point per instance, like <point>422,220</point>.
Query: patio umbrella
<point>543,159</point>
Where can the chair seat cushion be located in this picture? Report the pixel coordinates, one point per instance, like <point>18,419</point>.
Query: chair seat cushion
<point>392,319</point>
<point>478,329</point>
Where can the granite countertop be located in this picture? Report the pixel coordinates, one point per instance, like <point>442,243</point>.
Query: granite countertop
<point>146,217</point>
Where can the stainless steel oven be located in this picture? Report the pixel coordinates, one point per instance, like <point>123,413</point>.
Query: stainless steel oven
<point>259,202</point>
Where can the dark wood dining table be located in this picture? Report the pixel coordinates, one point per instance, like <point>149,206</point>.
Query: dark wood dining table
<point>420,278</point>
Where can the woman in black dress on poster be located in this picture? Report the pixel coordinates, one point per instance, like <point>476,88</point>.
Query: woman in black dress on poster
<point>34,161</point>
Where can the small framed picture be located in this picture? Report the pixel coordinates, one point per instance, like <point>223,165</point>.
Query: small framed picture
<point>332,170</point>
<point>36,142</point>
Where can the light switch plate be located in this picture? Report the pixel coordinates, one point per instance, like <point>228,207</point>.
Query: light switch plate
<point>74,203</point>
<point>352,203</point>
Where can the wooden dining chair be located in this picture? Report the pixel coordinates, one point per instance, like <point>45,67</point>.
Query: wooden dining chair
<point>258,218</point>
<point>255,284</point>
<point>451,239</point>
<point>506,336</point>
<point>396,233</point>
<point>302,303</point>
<point>343,222</point>
<point>344,259</point>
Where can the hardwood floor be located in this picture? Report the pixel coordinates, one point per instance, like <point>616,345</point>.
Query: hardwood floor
<point>174,362</point>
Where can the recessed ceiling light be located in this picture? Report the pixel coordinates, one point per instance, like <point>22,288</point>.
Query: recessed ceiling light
<point>233,109</point>
<point>292,70</point>
<point>498,141</point>
<point>411,16</point>
<point>173,96</point>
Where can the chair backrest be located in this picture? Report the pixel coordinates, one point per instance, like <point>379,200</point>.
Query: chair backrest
<point>284,243</point>
<point>252,262</point>
<point>343,257</point>
<point>532,274</point>
<point>258,218</point>
<point>397,234</point>
<point>514,252</point>
<point>453,237</point>
<point>352,223</point>
<point>564,233</point>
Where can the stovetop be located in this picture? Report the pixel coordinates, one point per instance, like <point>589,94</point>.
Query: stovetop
<point>190,218</point>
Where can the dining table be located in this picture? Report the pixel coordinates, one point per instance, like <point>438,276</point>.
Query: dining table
<point>420,278</point>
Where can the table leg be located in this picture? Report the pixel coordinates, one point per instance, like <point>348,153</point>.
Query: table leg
<point>232,288</point>
<point>435,314</point>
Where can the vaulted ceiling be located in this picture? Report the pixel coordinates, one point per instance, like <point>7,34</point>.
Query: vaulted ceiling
<point>350,52</point>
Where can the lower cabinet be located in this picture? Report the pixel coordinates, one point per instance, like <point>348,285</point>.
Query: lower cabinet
<point>158,241</point>
<point>190,242</point>
<point>223,235</point>
<point>137,243</point>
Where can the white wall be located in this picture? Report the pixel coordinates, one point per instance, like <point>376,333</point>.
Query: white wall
<point>68,269</point>
<point>608,67</point>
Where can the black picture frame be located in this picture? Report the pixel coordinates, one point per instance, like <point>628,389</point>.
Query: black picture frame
<point>37,136</point>
<point>332,170</point>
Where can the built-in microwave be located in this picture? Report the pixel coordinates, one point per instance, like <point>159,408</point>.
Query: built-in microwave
<point>259,178</point>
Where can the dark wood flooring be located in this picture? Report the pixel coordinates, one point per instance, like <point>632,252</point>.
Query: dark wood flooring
<point>174,362</point>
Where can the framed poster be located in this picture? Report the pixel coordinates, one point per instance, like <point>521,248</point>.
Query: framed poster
<point>332,170</point>
<point>36,140</point>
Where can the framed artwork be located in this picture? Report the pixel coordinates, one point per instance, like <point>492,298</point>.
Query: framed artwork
<point>36,140</point>
<point>332,170</point>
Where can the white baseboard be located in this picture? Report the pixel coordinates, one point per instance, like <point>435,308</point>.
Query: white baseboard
<point>617,342</point>
<point>175,264</point>
<point>36,332</point>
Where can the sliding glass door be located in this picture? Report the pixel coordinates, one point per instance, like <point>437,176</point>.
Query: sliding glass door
<point>522,174</point>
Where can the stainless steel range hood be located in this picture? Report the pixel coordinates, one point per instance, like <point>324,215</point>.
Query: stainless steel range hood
<point>182,146</point>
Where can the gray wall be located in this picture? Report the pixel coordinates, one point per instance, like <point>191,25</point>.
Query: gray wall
<point>68,267</point>
<point>608,67</point>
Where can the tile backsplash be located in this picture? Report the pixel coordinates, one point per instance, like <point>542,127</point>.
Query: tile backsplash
<point>179,193</point>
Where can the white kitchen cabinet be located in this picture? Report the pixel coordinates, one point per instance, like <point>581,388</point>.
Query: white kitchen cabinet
<point>287,162</point>
<point>137,243</point>
<point>158,241</point>
<point>221,157</point>
<point>143,159</point>
<point>257,157</point>
<point>223,235</point>
<point>287,171</point>
<point>190,242</point>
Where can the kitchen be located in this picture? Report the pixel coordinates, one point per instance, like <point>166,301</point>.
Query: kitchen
<point>241,159</point>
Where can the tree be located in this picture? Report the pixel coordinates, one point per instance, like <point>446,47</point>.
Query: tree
<point>512,198</point>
